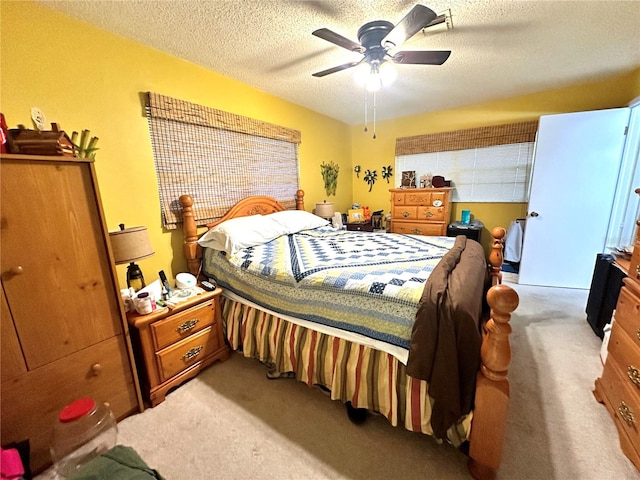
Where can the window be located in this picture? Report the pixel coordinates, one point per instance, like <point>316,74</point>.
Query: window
<point>218,158</point>
<point>488,164</point>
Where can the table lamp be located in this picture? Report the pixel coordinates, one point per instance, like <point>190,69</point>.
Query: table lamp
<point>325,210</point>
<point>129,245</point>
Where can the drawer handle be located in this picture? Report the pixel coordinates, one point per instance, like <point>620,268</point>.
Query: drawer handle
<point>627,414</point>
<point>416,231</point>
<point>634,375</point>
<point>428,214</point>
<point>405,214</point>
<point>188,325</point>
<point>96,369</point>
<point>192,353</point>
<point>638,333</point>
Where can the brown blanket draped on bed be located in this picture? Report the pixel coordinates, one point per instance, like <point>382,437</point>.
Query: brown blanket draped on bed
<point>445,342</point>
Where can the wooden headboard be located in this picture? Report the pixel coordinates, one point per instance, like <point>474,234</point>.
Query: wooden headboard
<point>254,205</point>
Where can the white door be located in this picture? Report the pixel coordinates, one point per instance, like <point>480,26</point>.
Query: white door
<point>575,171</point>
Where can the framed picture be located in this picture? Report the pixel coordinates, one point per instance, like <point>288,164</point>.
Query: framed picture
<point>409,179</point>
<point>356,216</point>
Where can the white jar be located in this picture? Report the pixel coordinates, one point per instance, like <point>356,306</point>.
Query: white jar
<point>143,303</point>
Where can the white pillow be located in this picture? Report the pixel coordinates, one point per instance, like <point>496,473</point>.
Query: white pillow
<point>237,233</point>
<point>294,221</point>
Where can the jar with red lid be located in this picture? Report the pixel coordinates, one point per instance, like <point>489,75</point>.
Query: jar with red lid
<point>84,429</point>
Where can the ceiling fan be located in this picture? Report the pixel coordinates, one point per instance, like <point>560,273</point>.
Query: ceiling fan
<point>379,38</point>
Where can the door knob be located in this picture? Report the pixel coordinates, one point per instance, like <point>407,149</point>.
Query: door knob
<point>533,214</point>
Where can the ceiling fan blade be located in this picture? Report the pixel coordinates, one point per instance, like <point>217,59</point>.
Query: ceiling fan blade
<point>433,57</point>
<point>333,37</point>
<point>335,69</point>
<point>417,19</point>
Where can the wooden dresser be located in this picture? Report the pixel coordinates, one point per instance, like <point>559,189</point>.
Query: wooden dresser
<point>420,211</point>
<point>619,386</point>
<point>64,334</point>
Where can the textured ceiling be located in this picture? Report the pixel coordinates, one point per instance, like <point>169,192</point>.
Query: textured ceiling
<point>500,48</point>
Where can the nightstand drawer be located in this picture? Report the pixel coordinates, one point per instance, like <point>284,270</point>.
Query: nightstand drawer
<point>360,227</point>
<point>181,325</point>
<point>182,355</point>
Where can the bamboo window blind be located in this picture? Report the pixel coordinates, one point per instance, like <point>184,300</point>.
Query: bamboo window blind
<point>486,164</point>
<point>218,158</point>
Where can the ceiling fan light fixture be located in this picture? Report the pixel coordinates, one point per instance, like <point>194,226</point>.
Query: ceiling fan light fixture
<point>375,75</point>
<point>388,73</point>
<point>362,73</point>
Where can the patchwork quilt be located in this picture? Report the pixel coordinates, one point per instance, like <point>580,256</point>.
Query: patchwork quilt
<point>367,283</point>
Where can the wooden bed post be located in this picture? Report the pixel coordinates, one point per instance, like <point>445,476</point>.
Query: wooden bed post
<point>495,256</point>
<point>492,385</point>
<point>300,200</point>
<point>191,249</point>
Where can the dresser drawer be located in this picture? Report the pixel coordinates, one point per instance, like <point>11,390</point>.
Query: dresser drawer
<point>174,359</point>
<point>434,214</point>
<point>634,265</point>
<point>627,314</point>
<point>405,213</point>
<point>624,401</point>
<point>415,228</point>
<point>398,199</point>
<point>417,198</point>
<point>626,355</point>
<point>181,325</point>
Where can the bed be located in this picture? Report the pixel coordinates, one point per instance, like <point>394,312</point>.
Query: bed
<point>414,328</point>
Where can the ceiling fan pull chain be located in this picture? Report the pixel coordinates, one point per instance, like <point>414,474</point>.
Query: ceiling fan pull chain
<point>366,108</point>
<point>374,115</point>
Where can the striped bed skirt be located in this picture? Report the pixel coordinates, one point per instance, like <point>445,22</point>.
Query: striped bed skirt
<point>364,376</point>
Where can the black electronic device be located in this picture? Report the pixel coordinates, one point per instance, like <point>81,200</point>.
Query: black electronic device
<point>208,286</point>
<point>165,283</point>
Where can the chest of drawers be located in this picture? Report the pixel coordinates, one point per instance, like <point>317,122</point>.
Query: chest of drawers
<point>619,386</point>
<point>420,211</point>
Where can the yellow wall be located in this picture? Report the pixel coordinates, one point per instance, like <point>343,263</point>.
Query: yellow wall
<point>373,154</point>
<point>83,77</point>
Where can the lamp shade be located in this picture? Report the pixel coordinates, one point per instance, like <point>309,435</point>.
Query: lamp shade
<point>130,244</point>
<point>325,209</point>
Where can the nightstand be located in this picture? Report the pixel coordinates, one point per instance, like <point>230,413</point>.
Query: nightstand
<point>360,227</point>
<point>173,344</point>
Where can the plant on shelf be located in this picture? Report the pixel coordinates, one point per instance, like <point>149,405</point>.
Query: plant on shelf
<point>387,172</point>
<point>330,176</point>
<point>370,177</point>
<point>85,148</point>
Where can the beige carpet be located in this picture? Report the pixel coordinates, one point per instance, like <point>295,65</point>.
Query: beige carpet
<point>232,423</point>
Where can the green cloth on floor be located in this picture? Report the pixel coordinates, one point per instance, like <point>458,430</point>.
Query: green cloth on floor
<point>121,463</point>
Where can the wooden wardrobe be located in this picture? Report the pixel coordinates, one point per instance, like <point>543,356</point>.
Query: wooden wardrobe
<point>64,334</point>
